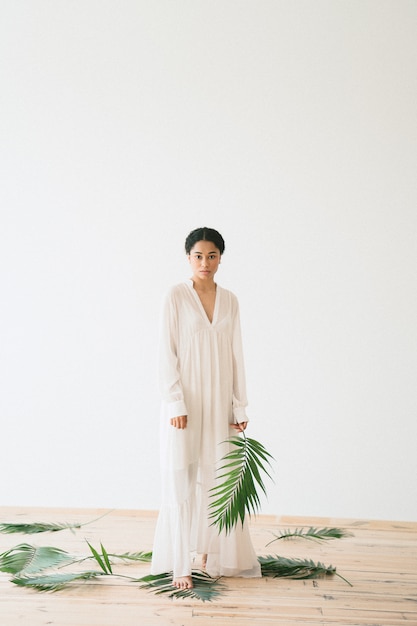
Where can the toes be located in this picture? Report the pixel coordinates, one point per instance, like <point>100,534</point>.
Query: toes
<point>183,583</point>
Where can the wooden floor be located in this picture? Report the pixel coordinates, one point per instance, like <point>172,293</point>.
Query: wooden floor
<point>380,561</point>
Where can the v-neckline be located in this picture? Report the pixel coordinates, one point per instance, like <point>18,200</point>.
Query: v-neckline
<point>200,304</point>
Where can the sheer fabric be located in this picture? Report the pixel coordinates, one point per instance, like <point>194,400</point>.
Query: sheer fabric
<point>202,376</point>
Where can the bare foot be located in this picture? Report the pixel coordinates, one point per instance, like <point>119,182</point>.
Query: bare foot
<point>183,582</point>
<point>204,561</point>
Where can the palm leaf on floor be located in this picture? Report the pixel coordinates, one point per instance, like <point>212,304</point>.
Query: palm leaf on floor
<point>134,557</point>
<point>281,567</point>
<point>313,534</point>
<point>102,559</point>
<point>142,557</point>
<point>41,527</point>
<point>36,527</point>
<point>54,581</point>
<point>237,494</point>
<point>27,559</point>
<point>205,587</point>
<point>29,564</point>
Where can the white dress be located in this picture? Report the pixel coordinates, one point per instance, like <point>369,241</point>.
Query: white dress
<point>202,376</point>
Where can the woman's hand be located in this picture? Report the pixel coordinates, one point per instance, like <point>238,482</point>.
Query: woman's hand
<point>179,422</point>
<point>240,427</point>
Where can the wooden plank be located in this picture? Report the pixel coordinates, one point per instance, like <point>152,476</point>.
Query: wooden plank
<point>380,560</point>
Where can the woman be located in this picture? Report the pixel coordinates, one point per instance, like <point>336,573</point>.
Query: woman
<point>204,401</point>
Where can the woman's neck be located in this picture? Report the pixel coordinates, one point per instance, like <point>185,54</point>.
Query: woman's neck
<point>203,286</point>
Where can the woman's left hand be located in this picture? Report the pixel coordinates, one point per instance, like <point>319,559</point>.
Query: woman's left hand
<point>240,427</point>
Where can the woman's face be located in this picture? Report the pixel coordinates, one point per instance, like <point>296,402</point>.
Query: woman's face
<point>204,259</point>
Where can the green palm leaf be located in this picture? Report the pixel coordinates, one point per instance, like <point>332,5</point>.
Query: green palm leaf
<point>143,557</point>
<point>281,567</point>
<point>27,559</point>
<point>53,582</point>
<point>36,527</point>
<point>42,527</point>
<point>313,534</point>
<point>102,559</point>
<point>237,493</point>
<point>205,587</point>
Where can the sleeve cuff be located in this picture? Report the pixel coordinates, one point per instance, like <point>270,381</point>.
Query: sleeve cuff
<point>239,414</point>
<point>175,409</point>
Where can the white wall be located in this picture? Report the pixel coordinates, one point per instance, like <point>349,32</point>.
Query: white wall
<point>288,125</point>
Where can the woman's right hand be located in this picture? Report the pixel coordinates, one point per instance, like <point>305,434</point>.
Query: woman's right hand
<point>179,422</point>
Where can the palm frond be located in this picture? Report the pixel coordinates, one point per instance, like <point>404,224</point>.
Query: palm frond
<point>204,588</point>
<point>42,527</point>
<point>102,559</point>
<point>36,527</point>
<point>27,559</point>
<point>313,534</point>
<point>143,557</point>
<point>53,582</point>
<point>281,567</point>
<point>237,493</point>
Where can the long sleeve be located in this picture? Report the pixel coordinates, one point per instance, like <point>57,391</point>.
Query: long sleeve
<point>169,375</point>
<point>239,379</point>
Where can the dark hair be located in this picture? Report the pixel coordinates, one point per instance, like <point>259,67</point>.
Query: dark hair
<point>204,234</point>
